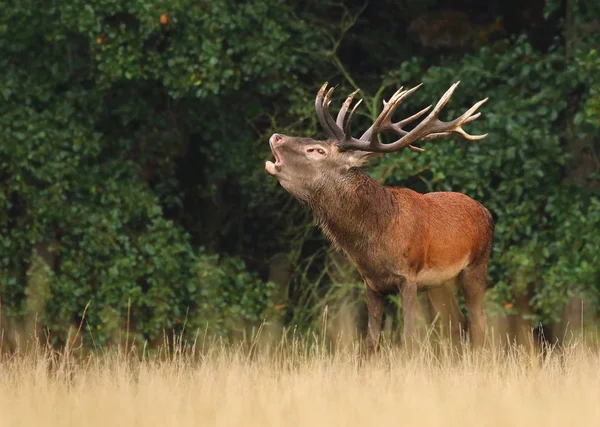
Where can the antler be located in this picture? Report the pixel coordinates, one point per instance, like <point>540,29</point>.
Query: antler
<point>431,127</point>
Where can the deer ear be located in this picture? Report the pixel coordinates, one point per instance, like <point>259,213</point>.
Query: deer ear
<point>359,158</point>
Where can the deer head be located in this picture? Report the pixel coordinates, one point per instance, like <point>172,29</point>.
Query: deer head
<point>303,165</point>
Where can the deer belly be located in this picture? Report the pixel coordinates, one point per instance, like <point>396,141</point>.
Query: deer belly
<point>438,275</point>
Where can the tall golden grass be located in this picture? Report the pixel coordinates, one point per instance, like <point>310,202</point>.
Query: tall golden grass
<point>300,382</point>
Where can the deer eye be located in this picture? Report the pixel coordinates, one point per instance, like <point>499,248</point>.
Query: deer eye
<point>318,150</point>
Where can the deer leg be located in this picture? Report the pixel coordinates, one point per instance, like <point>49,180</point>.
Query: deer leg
<point>474,279</point>
<point>409,303</point>
<point>450,318</point>
<point>375,308</point>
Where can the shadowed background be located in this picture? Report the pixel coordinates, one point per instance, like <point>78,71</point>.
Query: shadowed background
<point>134,134</point>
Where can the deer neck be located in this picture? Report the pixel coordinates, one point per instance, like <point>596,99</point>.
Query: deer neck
<point>353,210</point>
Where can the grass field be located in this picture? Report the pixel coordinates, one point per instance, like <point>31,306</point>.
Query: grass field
<point>297,383</point>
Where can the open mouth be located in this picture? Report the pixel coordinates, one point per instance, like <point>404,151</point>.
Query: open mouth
<point>270,167</point>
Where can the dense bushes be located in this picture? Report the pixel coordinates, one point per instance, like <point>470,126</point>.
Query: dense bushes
<point>93,115</point>
<point>134,135</point>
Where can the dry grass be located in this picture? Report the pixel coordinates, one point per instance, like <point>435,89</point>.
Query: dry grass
<point>297,383</point>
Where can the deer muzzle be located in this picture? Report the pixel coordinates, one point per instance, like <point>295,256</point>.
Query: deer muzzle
<point>270,167</point>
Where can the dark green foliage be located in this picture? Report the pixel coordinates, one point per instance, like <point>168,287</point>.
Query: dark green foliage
<point>133,138</point>
<point>89,107</point>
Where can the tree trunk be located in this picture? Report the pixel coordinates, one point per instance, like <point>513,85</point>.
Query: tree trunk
<point>38,293</point>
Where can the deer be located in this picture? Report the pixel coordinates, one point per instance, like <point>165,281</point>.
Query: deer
<point>400,241</point>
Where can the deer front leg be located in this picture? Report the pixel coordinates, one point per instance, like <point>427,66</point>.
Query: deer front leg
<point>375,309</point>
<point>409,302</point>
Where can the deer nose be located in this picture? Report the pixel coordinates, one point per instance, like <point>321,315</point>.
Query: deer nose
<point>275,138</point>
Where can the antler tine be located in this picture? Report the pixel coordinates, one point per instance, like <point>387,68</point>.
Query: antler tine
<point>386,107</point>
<point>468,117</point>
<point>412,118</point>
<point>335,129</point>
<point>342,113</point>
<point>444,99</point>
<point>319,102</point>
<point>348,125</point>
<point>397,127</point>
<point>455,125</point>
<point>384,121</point>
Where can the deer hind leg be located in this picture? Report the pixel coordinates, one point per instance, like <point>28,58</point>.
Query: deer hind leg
<point>375,308</point>
<point>473,281</point>
<point>450,318</point>
<point>408,292</point>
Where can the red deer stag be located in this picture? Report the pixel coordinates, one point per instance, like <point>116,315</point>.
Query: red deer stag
<point>399,240</point>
